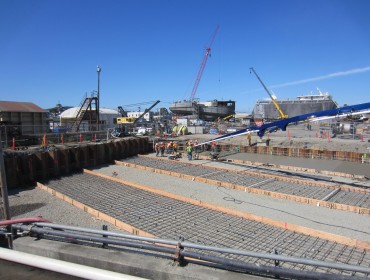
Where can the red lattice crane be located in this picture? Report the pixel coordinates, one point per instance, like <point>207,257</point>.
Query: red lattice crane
<point>203,64</point>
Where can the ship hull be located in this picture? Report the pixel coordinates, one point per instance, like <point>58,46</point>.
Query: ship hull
<point>267,110</point>
<point>204,111</point>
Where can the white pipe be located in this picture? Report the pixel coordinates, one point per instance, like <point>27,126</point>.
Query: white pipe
<point>330,195</point>
<point>63,267</point>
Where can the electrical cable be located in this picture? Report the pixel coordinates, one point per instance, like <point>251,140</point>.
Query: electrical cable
<point>230,198</point>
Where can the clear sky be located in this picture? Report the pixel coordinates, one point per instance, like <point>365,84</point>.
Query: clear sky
<point>152,49</point>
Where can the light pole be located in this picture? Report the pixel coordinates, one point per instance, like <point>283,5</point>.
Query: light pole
<point>3,184</point>
<point>98,69</point>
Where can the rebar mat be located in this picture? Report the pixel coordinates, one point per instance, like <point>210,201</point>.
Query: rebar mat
<point>358,199</point>
<point>169,218</point>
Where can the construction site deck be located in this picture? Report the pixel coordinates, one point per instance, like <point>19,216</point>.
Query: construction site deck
<point>313,225</point>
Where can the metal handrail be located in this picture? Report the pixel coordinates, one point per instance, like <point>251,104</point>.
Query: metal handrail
<point>57,230</point>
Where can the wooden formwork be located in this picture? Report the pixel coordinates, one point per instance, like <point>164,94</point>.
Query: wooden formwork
<point>261,150</point>
<point>283,151</point>
<point>243,149</point>
<point>298,152</point>
<point>305,153</point>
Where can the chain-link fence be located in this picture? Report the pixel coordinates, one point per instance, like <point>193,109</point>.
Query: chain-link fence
<point>12,137</point>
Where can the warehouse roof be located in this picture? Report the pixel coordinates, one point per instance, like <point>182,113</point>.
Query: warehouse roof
<point>13,106</point>
<point>71,113</point>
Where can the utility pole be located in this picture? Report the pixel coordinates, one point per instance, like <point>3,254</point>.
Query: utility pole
<point>98,69</point>
<point>3,185</point>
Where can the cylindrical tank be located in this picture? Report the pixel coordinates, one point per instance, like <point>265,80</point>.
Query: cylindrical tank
<point>346,127</point>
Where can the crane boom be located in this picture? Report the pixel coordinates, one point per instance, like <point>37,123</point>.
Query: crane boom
<point>282,115</point>
<point>146,111</point>
<point>203,64</point>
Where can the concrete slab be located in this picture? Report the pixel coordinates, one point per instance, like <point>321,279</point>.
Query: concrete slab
<point>320,164</point>
<point>332,221</point>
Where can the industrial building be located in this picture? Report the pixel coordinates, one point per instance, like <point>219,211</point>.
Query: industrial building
<point>106,119</point>
<point>148,116</point>
<point>23,118</point>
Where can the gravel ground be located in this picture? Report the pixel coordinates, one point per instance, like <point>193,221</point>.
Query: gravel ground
<point>34,202</point>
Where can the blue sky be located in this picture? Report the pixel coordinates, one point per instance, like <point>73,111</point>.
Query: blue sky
<point>150,50</point>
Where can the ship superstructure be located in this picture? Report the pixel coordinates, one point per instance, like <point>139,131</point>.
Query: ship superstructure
<point>209,110</point>
<point>304,104</point>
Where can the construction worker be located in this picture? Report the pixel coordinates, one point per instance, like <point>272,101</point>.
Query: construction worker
<point>156,149</point>
<point>189,151</point>
<point>162,147</point>
<point>170,147</point>
<point>214,147</point>
<point>196,149</point>
<point>175,147</point>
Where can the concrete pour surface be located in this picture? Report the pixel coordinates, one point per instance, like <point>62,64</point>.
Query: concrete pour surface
<point>353,168</point>
<point>338,222</point>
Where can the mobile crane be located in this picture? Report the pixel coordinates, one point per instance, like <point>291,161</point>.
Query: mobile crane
<point>146,111</point>
<point>203,64</point>
<point>282,115</point>
<point>127,123</point>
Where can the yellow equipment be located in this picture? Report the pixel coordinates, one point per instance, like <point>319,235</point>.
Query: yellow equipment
<point>125,120</point>
<point>228,117</point>
<point>282,115</point>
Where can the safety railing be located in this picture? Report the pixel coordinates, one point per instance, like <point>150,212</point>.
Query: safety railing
<point>186,252</point>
